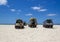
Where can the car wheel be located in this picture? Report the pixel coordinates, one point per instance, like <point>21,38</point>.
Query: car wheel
<point>34,25</point>
<point>22,26</point>
<point>17,27</point>
<point>51,26</point>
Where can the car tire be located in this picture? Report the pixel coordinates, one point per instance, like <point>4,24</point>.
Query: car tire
<point>51,26</point>
<point>17,27</point>
<point>34,25</point>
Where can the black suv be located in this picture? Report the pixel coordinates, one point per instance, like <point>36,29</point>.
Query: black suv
<point>48,23</point>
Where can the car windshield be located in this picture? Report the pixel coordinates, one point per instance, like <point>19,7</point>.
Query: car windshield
<point>49,21</point>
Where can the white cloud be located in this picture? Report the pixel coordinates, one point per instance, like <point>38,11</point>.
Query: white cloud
<point>3,2</point>
<point>17,11</point>
<point>29,14</point>
<point>36,8</point>
<point>43,10</point>
<point>39,9</point>
<point>13,10</point>
<point>51,15</point>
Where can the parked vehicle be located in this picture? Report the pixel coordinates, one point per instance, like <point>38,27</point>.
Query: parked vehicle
<point>33,22</point>
<point>19,24</point>
<point>48,23</point>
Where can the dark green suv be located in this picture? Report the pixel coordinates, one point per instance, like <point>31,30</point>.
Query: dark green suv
<point>19,24</point>
<point>33,22</point>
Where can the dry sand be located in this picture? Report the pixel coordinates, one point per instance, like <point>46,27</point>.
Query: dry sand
<point>9,34</point>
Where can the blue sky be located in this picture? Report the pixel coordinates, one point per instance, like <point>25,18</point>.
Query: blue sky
<point>11,10</point>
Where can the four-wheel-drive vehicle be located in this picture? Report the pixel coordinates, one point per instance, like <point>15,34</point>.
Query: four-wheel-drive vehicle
<point>48,23</point>
<point>19,24</point>
<point>33,23</point>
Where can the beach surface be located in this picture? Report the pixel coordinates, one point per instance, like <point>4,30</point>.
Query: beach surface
<point>8,33</point>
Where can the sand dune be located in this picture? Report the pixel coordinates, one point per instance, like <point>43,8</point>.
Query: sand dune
<point>9,34</point>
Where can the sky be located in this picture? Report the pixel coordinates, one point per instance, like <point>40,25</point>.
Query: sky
<point>11,10</point>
